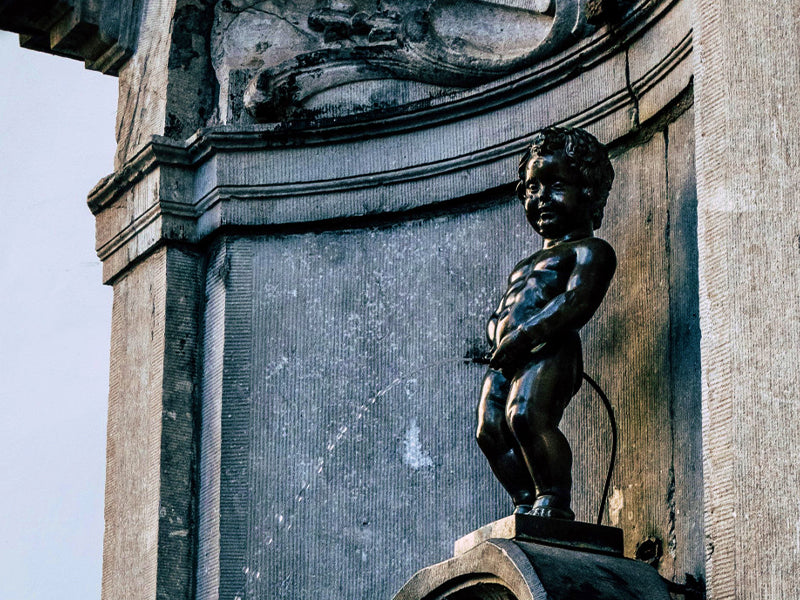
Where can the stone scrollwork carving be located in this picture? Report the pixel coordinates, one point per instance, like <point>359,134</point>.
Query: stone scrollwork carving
<point>340,21</point>
<point>331,57</point>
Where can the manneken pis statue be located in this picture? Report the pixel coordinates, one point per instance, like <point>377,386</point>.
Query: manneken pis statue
<point>536,364</point>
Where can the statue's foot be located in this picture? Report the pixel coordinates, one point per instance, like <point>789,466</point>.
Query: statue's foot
<point>552,507</point>
<point>522,509</point>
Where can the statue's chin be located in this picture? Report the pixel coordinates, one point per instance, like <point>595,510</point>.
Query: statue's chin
<point>547,229</point>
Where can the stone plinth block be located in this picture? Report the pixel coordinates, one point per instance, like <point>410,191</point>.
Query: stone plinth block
<point>537,559</point>
<point>553,532</point>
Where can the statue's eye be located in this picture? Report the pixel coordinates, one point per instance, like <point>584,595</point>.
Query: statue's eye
<point>533,185</point>
<point>558,185</point>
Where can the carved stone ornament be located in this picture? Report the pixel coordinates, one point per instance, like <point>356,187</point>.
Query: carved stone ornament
<point>283,59</point>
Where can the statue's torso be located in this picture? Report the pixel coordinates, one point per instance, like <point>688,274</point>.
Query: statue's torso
<point>532,284</point>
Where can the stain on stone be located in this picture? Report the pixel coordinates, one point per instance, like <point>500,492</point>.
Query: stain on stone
<point>185,25</point>
<point>607,12</point>
<point>694,588</point>
<point>650,551</point>
<point>190,69</point>
<point>616,503</point>
<point>414,455</point>
<point>173,127</point>
<point>672,542</point>
<point>416,25</point>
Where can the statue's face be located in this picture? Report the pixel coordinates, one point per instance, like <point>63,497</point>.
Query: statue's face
<point>555,199</point>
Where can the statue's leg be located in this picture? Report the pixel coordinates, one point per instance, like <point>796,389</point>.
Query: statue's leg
<point>499,446</point>
<point>537,399</point>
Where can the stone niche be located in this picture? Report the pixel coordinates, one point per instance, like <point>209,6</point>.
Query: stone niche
<point>337,453</point>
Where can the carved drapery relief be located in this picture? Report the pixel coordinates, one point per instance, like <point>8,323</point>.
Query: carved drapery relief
<point>278,59</point>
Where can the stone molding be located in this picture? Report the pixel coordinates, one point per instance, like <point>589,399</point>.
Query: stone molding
<point>284,174</point>
<point>100,33</point>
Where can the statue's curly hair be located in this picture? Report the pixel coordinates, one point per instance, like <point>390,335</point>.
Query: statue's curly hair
<point>584,152</point>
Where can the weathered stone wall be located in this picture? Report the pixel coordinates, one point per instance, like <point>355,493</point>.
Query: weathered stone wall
<point>134,433</point>
<point>645,348</point>
<point>352,413</point>
<point>152,430</point>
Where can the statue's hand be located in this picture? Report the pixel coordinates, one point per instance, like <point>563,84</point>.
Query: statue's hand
<point>512,351</point>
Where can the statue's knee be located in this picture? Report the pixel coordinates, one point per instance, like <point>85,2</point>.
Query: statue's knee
<point>516,417</point>
<point>522,421</point>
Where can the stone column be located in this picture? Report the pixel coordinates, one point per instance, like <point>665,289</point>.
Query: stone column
<point>748,176</point>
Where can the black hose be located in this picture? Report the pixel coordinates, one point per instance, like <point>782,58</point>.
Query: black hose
<point>613,458</point>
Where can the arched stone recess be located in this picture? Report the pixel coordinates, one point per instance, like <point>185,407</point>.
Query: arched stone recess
<point>497,570</point>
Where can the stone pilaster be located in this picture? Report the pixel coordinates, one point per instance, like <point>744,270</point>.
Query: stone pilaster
<point>149,548</point>
<point>748,165</point>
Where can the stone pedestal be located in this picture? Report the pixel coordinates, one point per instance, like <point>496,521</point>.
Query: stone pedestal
<point>530,558</point>
<point>574,535</point>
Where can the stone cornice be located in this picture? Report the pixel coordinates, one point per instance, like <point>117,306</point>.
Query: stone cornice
<point>160,151</point>
<point>102,34</point>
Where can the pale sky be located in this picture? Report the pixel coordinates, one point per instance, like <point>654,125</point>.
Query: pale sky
<point>56,142</point>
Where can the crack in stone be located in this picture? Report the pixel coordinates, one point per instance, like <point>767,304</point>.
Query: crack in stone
<point>631,91</point>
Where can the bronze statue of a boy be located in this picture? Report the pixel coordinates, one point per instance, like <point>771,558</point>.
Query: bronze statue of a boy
<point>536,364</point>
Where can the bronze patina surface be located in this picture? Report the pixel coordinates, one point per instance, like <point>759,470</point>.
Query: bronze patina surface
<point>536,364</point>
